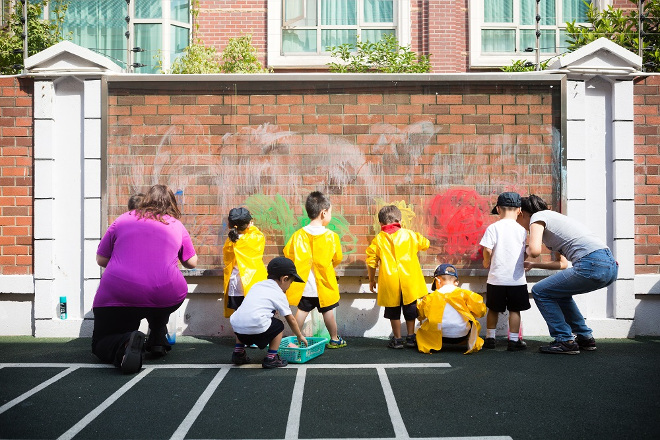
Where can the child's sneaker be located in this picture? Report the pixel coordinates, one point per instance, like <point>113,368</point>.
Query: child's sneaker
<point>489,343</point>
<point>339,343</point>
<point>518,345</point>
<point>588,344</point>
<point>274,362</point>
<point>395,343</point>
<point>411,341</point>
<point>240,358</point>
<point>561,347</point>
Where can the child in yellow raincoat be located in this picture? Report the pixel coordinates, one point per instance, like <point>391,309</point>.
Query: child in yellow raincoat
<point>316,251</point>
<point>244,266</point>
<point>449,314</point>
<point>400,279</point>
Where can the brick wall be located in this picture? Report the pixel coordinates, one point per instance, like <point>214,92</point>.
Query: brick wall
<point>441,152</point>
<point>15,176</point>
<point>647,175</point>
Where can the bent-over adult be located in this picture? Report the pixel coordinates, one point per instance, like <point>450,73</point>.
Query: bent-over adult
<point>593,267</point>
<point>140,252</point>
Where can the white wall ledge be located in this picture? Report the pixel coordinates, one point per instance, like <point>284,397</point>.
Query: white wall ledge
<point>23,284</point>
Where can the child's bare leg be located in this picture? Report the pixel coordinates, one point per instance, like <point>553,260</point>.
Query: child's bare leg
<point>301,315</point>
<point>410,327</point>
<point>396,328</point>
<point>275,342</point>
<point>514,322</point>
<point>491,319</point>
<point>331,324</point>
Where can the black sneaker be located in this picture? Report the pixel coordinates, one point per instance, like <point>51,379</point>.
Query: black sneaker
<point>561,347</point>
<point>395,343</point>
<point>518,345</point>
<point>588,344</point>
<point>489,343</point>
<point>411,341</point>
<point>131,362</point>
<point>240,358</point>
<point>274,362</point>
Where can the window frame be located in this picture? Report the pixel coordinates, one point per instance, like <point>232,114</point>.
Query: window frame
<point>276,59</point>
<point>496,60</point>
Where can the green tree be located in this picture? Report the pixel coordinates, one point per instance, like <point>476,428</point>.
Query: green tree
<point>524,66</point>
<point>42,33</point>
<point>384,56</point>
<point>620,26</point>
<point>240,56</point>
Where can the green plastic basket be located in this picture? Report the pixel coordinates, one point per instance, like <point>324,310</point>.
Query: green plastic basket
<point>299,355</point>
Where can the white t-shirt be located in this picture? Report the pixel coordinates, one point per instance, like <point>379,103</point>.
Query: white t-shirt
<point>506,239</point>
<point>453,324</point>
<point>255,313</point>
<point>310,287</point>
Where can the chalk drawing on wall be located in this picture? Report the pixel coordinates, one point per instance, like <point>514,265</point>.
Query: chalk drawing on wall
<point>408,215</point>
<point>457,219</point>
<point>273,214</point>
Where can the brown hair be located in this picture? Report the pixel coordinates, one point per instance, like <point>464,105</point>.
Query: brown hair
<point>389,214</point>
<point>157,202</point>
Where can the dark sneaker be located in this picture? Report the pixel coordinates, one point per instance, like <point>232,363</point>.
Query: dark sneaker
<point>588,344</point>
<point>489,343</point>
<point>339,343</point>
<point>395,343</point>
<point>157,343</point>
<point>518,345</point>
<point>411,341</point>
<point>131,362</point>
<point>274,362</point>
<point>240,358</point>
<point>561,347</point>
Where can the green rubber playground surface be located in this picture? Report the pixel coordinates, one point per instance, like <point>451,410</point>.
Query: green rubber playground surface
<point>55,388</point>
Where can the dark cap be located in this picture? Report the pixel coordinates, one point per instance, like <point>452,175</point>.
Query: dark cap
<point>239,215</point>
<point>280,266</point>
<point>444,269</point>
<point>511,199</point>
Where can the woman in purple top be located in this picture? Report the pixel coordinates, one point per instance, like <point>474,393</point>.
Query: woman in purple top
<point>140,252</point>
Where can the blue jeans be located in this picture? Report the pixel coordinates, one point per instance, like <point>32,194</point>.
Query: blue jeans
<point>554,295</point>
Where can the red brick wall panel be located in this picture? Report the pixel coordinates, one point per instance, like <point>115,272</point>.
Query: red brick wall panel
<point>15,176</point>
<point>647,175</point>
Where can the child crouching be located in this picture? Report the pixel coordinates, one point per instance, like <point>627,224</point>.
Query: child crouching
<point>449,314</point>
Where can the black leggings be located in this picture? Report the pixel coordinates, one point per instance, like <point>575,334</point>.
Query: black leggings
<point>113,327</point>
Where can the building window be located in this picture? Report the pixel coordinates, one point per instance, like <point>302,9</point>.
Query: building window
<point>301,31</point>
<point>501,30</point>
<point>155,25</point>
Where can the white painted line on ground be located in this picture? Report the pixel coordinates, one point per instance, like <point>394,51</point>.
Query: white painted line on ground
<point>293,423</point>
<point>89,418</point>
<point>227,366</point>
<point>400,430</point>
<point>36,389</point>
<point>196,410</point>
<point>500,437</point>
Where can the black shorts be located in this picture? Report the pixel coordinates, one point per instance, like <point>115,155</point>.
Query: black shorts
<point>234,302</point>
<point>409,312</point>
<point>502,298</point>
<point>309,303</point>
<point>261,340</point>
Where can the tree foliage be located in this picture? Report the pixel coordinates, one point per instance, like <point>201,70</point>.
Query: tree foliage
<point>42,34</point>
<point>240,56</point>
<point>524,66</point>
<point>384,56</point>
<point>620,26</point>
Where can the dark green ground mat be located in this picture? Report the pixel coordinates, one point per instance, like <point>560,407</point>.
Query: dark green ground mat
<point>611,393</point>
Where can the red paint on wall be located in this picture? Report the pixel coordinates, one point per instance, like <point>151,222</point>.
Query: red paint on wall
<point>457,220</point>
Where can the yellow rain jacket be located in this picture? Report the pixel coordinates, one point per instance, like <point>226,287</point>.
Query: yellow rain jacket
<point>400,272</point>
<point>431,308</point>
<point>246,254</point>
<point>320,253</point>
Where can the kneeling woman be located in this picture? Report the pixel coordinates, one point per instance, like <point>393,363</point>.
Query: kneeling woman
<point>140,252</point>
<point>593,267</point>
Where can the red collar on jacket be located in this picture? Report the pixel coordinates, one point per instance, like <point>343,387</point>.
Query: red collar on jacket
<point>391,228</point>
